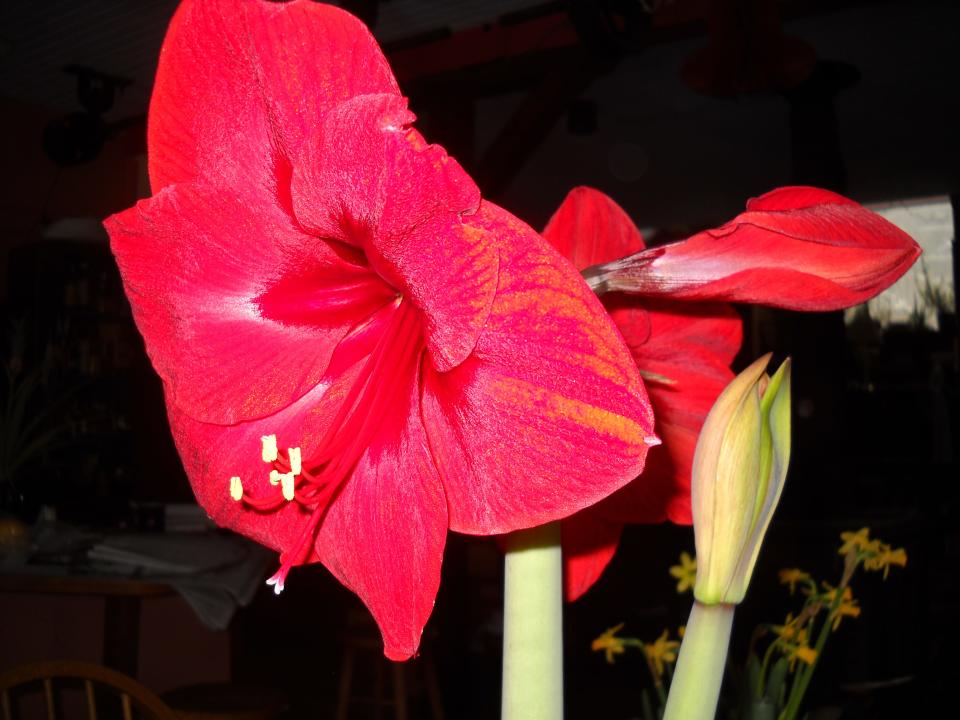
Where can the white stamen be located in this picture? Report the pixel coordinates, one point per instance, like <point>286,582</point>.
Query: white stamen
<point>295,461</point>
<point>269,453</point>
<point>236,488</point>
<point>274,477</point>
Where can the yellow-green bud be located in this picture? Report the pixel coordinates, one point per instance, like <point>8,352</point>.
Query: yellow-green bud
<point>739,468</point>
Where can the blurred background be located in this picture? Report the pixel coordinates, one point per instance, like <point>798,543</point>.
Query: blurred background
<point>680,110</point>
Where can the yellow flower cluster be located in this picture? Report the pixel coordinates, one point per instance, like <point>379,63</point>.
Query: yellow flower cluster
<point>657,653</point>
<point>793,640</point>
<point>876,555</point>
<point>848,606</point>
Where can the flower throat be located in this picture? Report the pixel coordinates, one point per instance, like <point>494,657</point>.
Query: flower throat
<point>314,482</point>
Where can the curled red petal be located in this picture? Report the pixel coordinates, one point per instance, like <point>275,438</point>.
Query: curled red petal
<point>799,248</point>
<point>370,180</point>
<point>274,69</point>
<point>194,262</point>
<point>589,228</point>
<point>549,413</point>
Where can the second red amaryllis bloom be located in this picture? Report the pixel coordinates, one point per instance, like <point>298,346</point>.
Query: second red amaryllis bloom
<point>358,352</point>
<point>797,247</point>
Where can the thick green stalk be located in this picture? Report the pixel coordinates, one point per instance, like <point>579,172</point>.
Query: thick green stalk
<point>533,625</point>
<point>695,687</point>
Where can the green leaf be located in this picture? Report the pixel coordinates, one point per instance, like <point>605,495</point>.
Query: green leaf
<point>761,709</point>
<point>647,705</point>
<point>775,683</point>
<point>753,675</point>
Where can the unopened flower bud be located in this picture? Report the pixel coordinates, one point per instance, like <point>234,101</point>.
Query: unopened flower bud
<point>739,468</point>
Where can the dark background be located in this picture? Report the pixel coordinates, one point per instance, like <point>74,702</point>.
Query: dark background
<point>534,98</point>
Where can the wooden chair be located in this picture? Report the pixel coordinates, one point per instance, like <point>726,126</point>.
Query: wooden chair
<point>53,678</point>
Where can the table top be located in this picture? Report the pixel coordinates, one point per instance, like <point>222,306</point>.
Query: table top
<point>66,583</point>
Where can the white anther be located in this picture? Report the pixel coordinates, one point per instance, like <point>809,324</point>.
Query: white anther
<point>274,477</point>
<point>269,448</point>
<point>286,486</point>
<point>295,462</point>
<point>236,488</point>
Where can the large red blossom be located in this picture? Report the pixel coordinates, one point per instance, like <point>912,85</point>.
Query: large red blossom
<point>795,247</point>
<point>310,271</point>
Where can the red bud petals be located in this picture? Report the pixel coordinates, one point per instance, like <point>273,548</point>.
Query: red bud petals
<point>797,248</point>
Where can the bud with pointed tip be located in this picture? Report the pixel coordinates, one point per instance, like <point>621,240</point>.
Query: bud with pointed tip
<point>739,468</point>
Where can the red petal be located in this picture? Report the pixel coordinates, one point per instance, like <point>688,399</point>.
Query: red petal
<point>368,180</point>
<point>589,228</point>
<point>798,248</point>
<point>589,544</point>
<point>692,346</point>
<point>383,536</point>
<point>549,414</point>
<point>195,261</point>
<point>238,82</point>
<point>212,454</point>
<point>697,338</point>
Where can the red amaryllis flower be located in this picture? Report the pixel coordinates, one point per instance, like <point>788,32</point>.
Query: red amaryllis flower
<point>357,352</point>
<point>796,247</point>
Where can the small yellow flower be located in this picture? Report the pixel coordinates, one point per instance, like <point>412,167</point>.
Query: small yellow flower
<point>804,653</point>
<point>884,557</point>
<point>787,631</point>
<point>857,541</point>
<point>660,652</point>
<point>794,642</point>
<point>792,576</point>
<point>848,606</point>
<point>609,643</point>
<point>685,572</point>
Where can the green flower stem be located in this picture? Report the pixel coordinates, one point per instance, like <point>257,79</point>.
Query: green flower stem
<point>761,686</point>
<point>695,687</point>
<point>533,625</point>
